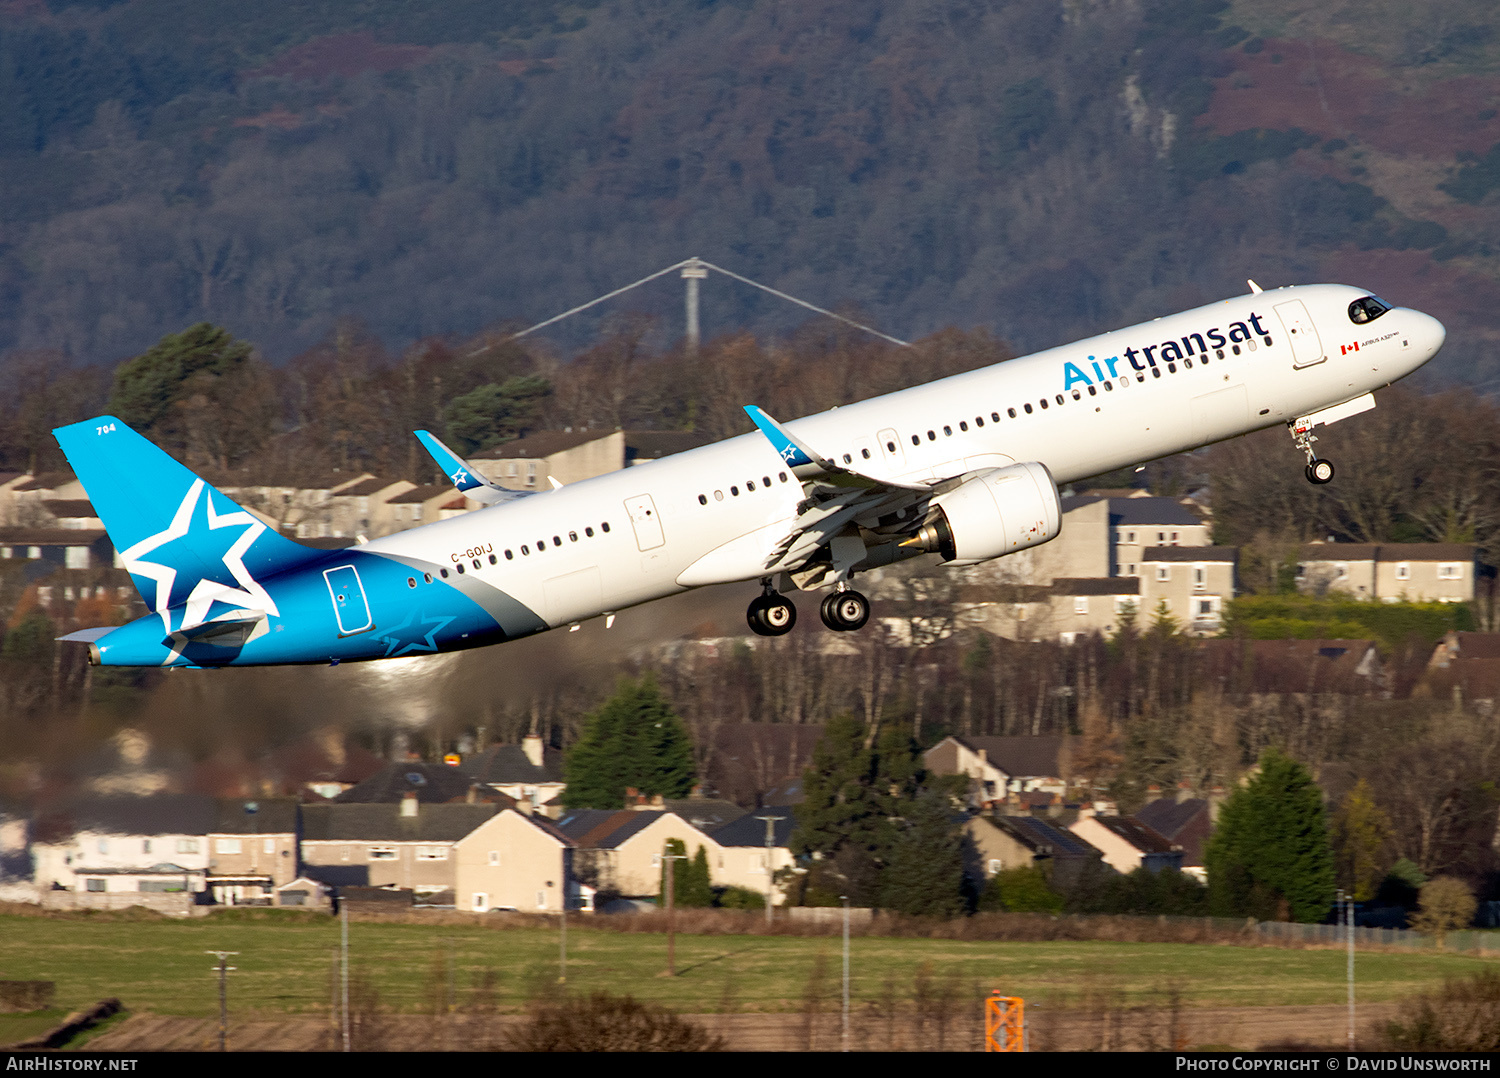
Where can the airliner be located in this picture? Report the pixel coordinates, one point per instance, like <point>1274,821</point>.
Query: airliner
<point>965,468</point>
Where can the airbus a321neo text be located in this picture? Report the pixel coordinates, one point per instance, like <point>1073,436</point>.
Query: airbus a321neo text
<point>965,468</point>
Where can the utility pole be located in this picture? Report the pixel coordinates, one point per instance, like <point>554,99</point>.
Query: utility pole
<point>770,862</point>
<point>668,856</point>
<point>693,271</point>
<point>344,968</point>
<point>223,969</point>
<point>845,900</point>
<point>1349,930</point>
<point>562,947</point>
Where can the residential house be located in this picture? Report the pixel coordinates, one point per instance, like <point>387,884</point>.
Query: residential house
<point>426,505</point>
<point>531,771</point>
<point>1001,767</point>
<point>252,850</point>
<point>1389,572</point>
<point>620,851</point>
<point>997,843</point>
<point>747,860</point>
<point>518,860</point>
<point>1190,583</point>
<point>707,814</point>
<point>408,845</point>
<point>1185,822</point>
<point>1126,844</point>
<point>123,846</point>
<point>1465,667</point>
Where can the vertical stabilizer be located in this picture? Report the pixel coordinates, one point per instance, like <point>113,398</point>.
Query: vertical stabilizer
<point>181,540</point>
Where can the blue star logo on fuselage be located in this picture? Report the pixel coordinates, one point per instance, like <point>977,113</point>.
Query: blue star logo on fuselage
<point>409,638</point>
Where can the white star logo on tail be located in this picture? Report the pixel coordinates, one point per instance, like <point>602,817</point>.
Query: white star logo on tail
<point>249,593</point>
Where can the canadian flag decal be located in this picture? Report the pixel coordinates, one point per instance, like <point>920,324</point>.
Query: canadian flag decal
<point>1345,349</point>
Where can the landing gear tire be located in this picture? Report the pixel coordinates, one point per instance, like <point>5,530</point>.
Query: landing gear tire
<point>845,611</point>
<point>1319,471</point>
<point>771,615</point>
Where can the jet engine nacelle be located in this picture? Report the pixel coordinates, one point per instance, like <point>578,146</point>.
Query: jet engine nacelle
<point>997,511</point>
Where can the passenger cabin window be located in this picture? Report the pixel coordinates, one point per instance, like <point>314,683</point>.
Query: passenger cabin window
<point>1367,309</point>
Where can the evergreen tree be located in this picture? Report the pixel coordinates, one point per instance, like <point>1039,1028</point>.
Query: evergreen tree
<point>494,413</point>
<point>690,880</point>
<point>1269,856</point>
<point>634,739</point>
<point>925,876</point>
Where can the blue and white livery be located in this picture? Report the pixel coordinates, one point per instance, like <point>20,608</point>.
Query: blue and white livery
<point>965,468</point>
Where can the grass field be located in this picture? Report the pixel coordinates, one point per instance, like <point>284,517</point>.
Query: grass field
<point>161,966</point>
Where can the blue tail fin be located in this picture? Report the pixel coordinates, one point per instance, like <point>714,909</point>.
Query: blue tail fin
<point>178,537</point>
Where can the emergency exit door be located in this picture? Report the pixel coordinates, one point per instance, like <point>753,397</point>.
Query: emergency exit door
<point>644,520</point>
<point>349,603</point>
<point>1306,348</point>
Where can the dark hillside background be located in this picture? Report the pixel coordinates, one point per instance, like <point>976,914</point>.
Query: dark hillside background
<point>1040,169</point>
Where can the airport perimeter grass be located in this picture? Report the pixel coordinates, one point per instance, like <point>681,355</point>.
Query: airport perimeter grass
<point>160,966</point>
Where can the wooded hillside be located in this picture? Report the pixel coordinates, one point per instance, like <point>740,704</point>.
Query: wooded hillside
<point>1039,169</point>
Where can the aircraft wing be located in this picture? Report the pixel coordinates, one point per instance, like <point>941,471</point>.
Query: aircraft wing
<point>464,478</point>
<point>836,496</point>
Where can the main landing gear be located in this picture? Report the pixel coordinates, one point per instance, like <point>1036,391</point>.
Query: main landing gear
<point>772,614</point>
<point>845,611</point>
<point>1318,471</point>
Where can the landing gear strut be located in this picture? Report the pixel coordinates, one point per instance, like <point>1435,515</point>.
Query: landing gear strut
<point>845,611</point>
<point>771,614</point>
<point>1318,471</point>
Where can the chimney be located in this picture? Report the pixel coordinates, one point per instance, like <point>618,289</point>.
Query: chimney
<point>1216,798</point>
<point>697,791</point>
<point>656,801</point>
<point>1184,792</point>
<point>531,745</point>
<point>409,803</point>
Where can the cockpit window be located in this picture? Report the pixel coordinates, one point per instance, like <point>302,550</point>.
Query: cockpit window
<point>1367,310</point>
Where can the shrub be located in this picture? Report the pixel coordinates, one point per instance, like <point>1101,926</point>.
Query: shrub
<point>606,1023</point>
<point>1464,1016</point>
<point>1446,904</point>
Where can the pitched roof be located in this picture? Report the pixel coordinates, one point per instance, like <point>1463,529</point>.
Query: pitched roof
<point>1338,552</point>
<point>46,481</point>
<point>70,507</point>
<point>750,831</point>
<point>372,485</point>
<point>417,495</point>
<point>1476,645</point>
<point>51,536</point>
<point>1286,666</point>
<point>1386,552</point>
<point>329,822</point>
<point>704,813</point>
<point>509,764</point>
<point>159,814</point>
<point>605,829</point>
<point>1191,553</point>
<point>1143,838</point>
<point>1021,756</point>
<point>1167,817</point>
<point>1149,512</point>
<point>272,816</point>
<point>432,783</point>
<point>1039,836</point>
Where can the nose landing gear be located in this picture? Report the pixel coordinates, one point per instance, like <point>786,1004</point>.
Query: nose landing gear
<point>1318,471</point>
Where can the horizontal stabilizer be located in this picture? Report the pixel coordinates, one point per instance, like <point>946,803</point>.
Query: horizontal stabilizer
<point>464,478</point>
<point>229,630</point>
<point>87,636</point>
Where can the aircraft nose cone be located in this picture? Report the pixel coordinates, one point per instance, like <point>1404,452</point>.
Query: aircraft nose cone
<point>1431,332</point>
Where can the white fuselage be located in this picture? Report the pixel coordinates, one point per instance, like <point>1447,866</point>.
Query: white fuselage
<point>1168,391</point>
